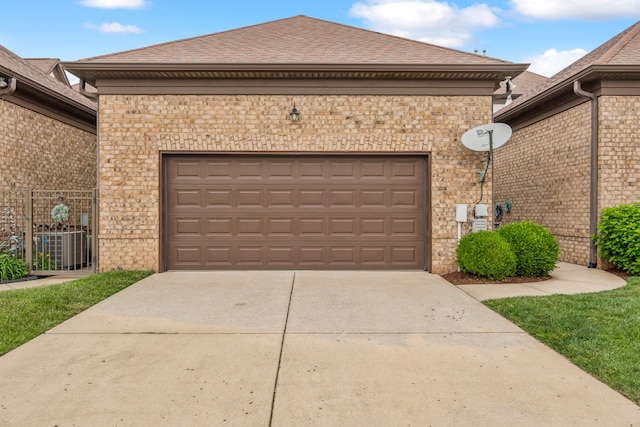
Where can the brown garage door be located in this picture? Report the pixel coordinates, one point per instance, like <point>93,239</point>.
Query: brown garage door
<point>295,212</point>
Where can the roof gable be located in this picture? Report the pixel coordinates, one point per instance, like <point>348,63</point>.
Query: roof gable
<point>618,58</point>
<point>50,66</point>
<point>299,40</point>
<point>30,75</point>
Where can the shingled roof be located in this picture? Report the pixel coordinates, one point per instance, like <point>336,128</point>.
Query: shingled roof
<point>618,58</point>
<point>50,66</point>
<point>33,79</point>
<point>300,43</point>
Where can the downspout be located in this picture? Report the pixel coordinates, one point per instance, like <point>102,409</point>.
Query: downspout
<point>82,90</point>
<point>593,194</point>
<point>10,86</point>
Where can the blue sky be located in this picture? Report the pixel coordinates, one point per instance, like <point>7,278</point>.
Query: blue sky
<point>549,34</point>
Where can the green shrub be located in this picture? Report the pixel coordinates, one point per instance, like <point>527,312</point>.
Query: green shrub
<point>535,248</point>
<point>12,268</point>
<point>486,254</point>
<point>618,238</point>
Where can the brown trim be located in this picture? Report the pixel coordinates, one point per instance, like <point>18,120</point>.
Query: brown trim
<point>162,226</point>
<point>92,72</point>
<point>295,153</point>
<point>620,87</point>
<point>543,113</point>
<point>56,97</point>
<point>428,235</point>
<point>625,76</point>
<point>165,155</point>
<point>545,108</point>
<point>296,87</point>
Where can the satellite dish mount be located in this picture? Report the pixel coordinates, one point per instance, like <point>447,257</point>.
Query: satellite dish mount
<point>487,138</point>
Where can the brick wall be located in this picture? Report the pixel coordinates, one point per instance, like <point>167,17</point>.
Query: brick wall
<point>38,152</point>
<point>619,150</point>
<point>545,170</point>
<point>135,129</point>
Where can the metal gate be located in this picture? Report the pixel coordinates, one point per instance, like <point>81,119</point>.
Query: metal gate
<point>54,231</point>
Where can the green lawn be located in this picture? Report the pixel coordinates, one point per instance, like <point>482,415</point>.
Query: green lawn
<point>27,313</point>
<point>599,332</point>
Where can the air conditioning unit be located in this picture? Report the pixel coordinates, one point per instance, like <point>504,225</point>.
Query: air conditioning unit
<point>66,248</point>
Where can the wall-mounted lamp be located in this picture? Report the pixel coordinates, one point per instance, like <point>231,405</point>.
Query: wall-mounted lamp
<point>3,83</point>
<point>294,114</point>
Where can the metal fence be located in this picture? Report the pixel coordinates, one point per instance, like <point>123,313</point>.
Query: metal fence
<point>54,231</point>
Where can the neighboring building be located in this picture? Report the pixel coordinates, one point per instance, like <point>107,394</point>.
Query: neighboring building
<point>522,84</point>
<point>47,130</point>
<point>202,167</point>
<point>575,147</point>
<point>51,67</point>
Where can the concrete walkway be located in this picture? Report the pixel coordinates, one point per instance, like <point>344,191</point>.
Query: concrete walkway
<point>297,348</point>
<point>566,279</point>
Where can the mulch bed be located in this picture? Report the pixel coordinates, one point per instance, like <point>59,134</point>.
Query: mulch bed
<point>459,278</point>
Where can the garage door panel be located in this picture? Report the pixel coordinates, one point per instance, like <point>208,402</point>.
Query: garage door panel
<point>373,226</point>
<point>219,256</point>
<point>251,197</point>
<point>188,256</point>
<point>344,197</point>
<point>404,255</point>
<point>249,226</point>
<point>295,212</point>
<point>311,227</point>
<point>283,197</point>
<point>186,169</point>
<point>281,256</point>
<point>404,198</point>
<point>218,170</point>
<point>219,198</point>
<point>342,227</point>
<point>401,169</point>
<point>219,227</point>
<point>373,169</point>
<point>311,198</point>
<point>311,169</point>
<point>281,227</point>
<point>281,169</point>
<point>250,255</point>
<point>248,169</point>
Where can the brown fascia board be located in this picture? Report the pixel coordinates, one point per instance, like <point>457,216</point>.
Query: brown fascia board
<point>48,92</point>
<point>591,73</point>
<point>90,71</point>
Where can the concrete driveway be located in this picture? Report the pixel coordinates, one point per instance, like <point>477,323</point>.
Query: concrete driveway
<point>297,348</point>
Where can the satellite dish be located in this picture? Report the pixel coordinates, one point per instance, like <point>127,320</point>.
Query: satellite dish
<point>480,138</point>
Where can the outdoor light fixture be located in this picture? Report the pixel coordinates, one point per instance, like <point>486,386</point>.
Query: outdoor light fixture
<point>3,83</point>
<point>294,114</point>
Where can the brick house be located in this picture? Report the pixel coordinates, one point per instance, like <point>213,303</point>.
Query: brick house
<point>48,130</point>
<point>201,165</point>
<point>575,148</point>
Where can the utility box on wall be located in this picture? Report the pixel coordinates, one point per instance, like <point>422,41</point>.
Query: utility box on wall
<point>481,218</point>
<point>461,213</point>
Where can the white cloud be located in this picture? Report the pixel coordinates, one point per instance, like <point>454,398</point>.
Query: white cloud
<point>553,60</point>
<point>577,9</point>
<point>426,20</point>
<point>114,28</point>
<point>115,4</point>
